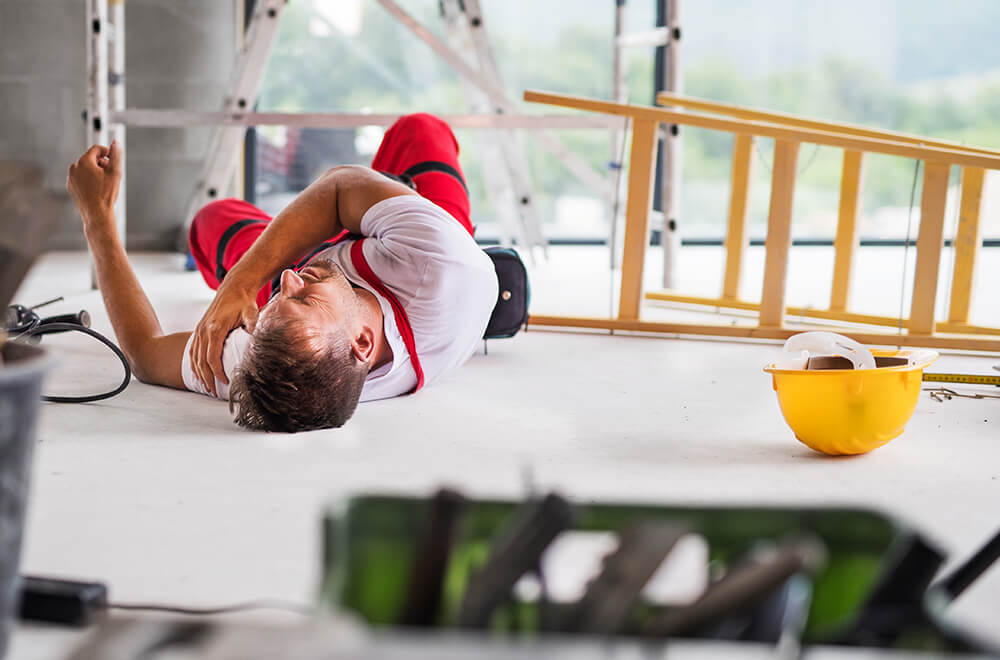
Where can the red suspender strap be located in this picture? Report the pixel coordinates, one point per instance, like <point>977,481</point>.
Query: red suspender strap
<point>403,323</point>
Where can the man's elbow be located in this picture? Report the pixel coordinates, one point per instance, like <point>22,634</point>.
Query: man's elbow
<point>141,371</point>
<point>147,369</point>
<point>345,170</point>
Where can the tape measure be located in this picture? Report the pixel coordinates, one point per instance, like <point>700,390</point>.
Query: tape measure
<point>968,379</point>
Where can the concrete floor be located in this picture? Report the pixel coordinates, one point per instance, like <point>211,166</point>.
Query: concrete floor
<point>157,493</point>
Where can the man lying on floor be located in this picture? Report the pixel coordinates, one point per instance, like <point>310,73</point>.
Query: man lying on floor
<point>386,292</point>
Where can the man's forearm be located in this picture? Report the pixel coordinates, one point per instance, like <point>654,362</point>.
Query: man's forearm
<point>132,316</point>
<point>334,202</point>
<point>308,220</point>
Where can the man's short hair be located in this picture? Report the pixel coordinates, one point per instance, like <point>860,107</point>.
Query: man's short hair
<point>295,378</point>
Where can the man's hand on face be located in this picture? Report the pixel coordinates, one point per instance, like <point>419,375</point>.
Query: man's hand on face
<point>231,308</point>
<point>93,183</point>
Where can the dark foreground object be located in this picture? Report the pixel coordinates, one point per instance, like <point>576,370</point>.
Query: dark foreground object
<point>780,576</point>
<point>20,391</point>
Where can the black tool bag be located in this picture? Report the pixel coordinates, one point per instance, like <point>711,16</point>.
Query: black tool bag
<point>511,311</point>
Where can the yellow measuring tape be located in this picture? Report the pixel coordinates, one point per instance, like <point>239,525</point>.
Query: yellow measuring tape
<point>968,379</point>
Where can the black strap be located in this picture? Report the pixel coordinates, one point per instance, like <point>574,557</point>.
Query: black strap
<point>435,166</point>
<point>403,179</point>
<point>220,250</point>
<point>316,250</point>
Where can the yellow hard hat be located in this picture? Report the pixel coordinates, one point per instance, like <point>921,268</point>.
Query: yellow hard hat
<point>851,411</point>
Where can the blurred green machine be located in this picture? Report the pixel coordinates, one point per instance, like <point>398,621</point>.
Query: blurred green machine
<point>818,575</point>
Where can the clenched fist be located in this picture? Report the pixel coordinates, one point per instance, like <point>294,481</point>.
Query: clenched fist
<point>93,182</point>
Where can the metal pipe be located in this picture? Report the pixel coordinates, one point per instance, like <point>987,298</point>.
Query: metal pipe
<point>620,91</point>
<point>96,113</point>
<point>182,118</point>
<point>116,100</point>
<point>671,172</point>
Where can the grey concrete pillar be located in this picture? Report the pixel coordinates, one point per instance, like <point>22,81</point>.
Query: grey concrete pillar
<point>41,96</point>
<point>179,55</point>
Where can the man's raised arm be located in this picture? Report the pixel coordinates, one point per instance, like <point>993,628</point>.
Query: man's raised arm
<point>334,202</point>
<point>93,183</point>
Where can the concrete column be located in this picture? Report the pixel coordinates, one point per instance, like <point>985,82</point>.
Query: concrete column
<point>42,84</point>
<point>179,55</point>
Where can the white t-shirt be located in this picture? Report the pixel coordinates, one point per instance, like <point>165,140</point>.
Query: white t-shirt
<point>444,281</point>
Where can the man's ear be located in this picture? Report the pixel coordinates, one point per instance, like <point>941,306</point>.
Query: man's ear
<point>363,344</point>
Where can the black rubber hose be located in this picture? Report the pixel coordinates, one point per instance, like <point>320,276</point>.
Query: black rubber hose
<point>48,328</point>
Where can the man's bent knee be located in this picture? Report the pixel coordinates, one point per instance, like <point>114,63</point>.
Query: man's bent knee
<point>212,210</point>
<point>419,121</point>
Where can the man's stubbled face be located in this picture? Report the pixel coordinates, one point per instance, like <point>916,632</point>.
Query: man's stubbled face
<point>319,296</point>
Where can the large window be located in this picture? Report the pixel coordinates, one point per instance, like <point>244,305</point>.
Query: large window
<point>918,66</point>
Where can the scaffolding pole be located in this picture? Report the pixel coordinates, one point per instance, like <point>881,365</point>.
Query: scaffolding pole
<point>670,176</point>
<point>116,98</point>
<point>96,113</point>
<point>665,37</point>
<point>183,118</point>
<point>619,90</point>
